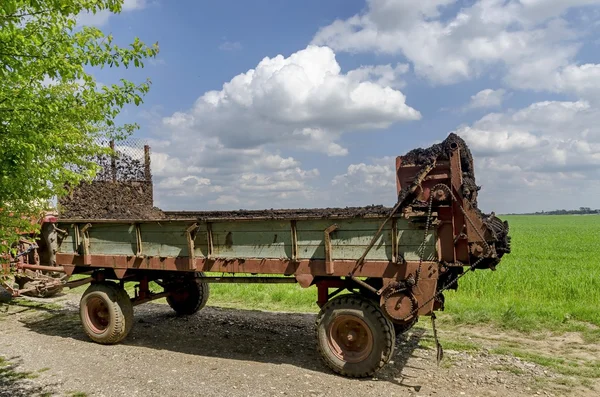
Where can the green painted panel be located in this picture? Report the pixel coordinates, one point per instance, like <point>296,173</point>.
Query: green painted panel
<point>378,252</point>
<point>164,239</point>
<point>67,245</point>
<point>275,226</point>
<point>343,224</point>
<point>256,239</point>
<point>252,239</point>
<point>344,237</point>
<point>112,239</point>
<point>275,251</point>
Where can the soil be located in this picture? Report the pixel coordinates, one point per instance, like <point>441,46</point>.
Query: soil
<point>122,189</point>
<point>442,151</point>
<point>229,352</point>
<point>348,212</point>
<point>110,200</point>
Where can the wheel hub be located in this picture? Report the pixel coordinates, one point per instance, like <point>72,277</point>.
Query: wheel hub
<point>350,338</point>
<point>97,315</point>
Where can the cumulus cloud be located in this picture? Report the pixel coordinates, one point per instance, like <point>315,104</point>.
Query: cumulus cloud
<point>580,80</point>
<point>373,182</point>
<point>449,44</point>
<point>228,148</point>
<point>487,98</point>
<point>303,100</point>
<point>536,155</point>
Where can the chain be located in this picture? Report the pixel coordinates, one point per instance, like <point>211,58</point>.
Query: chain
<point>426,234</point>
<point>458,277</point>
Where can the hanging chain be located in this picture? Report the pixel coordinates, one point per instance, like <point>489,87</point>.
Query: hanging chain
<point>458,277</point>
<point>425,235</point>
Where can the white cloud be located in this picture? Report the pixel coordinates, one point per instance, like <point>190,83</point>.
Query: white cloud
<point>198,176</point>
<point>383,75</point>
<point>487,98</point>
<point>367,183</point>
<point>101,18</point>
<point>530,38</point>
<point>544,156</point>
<point>581,80</point>
<point>130,5</point>
<point>233,137</point>
<point>303,100</point>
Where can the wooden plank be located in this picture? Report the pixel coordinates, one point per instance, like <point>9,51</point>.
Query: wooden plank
<point>257,239</point>
<point>352,224</point>
<point>165,240</point>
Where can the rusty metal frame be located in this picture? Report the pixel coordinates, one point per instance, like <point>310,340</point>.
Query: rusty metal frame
<point>315,267</point>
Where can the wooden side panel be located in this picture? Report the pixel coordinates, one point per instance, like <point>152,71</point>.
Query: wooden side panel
<point>270,239</point>
<point>67,245</point>
<point>411,241</point>
<point>256,239</point>
<point>164,240</point>
<point>112,239</point>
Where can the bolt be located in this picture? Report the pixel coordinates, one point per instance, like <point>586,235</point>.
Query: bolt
<point>351,336</point>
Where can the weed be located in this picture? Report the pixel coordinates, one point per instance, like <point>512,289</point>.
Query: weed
<point>508,368</point>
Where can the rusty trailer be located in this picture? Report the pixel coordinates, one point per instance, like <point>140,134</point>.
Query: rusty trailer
<point>375,269</point>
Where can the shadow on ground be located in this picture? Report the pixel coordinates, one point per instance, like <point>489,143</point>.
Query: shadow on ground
<point>17,383</point>
<point>248,335</point>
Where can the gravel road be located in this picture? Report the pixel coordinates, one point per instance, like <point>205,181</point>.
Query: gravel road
<point>228,352</point>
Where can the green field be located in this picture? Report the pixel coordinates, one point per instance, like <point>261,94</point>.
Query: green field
<point>550,280</point>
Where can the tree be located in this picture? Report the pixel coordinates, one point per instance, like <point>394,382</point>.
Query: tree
<point>52,112</point>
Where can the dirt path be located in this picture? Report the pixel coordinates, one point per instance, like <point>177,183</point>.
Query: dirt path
<point>227,352</point>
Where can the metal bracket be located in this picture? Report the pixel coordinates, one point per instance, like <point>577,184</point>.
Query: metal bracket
<point>294,240</point>
<point>209,240</point>
<point>190,234</point>
<point>394,240</point>
<point>138,241</point>
<point>328,249</point>
<point>85,244</point>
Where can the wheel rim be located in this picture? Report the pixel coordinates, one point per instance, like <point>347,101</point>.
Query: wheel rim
<point>350,338</point>
<point>97,315</point>
<point>180,296</point>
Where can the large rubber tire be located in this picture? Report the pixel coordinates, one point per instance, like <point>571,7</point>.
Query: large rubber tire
<point>405,327</point>
<point>188,296</point>
<point>106,313</point>
<point>354,338</point>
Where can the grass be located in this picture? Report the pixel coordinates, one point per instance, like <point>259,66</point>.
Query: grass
<point>565,366</point>
<point>551,280</point>
<point>279,297</point>
<point>9,374</point>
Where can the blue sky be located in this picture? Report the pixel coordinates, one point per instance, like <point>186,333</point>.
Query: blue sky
<point>341,87</point>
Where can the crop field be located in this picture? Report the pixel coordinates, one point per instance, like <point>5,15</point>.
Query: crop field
<point>551,280</point>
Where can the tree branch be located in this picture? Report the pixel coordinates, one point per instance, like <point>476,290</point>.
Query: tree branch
<point>14,16</point>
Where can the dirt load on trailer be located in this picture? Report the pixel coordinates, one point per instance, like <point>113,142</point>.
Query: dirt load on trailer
<point>376,269</point>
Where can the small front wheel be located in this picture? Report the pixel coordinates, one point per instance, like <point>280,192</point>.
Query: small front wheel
<point>354,338</point>
<point>106,313</point>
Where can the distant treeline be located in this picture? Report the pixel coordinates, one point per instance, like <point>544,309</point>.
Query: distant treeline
<point>580,211</point>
